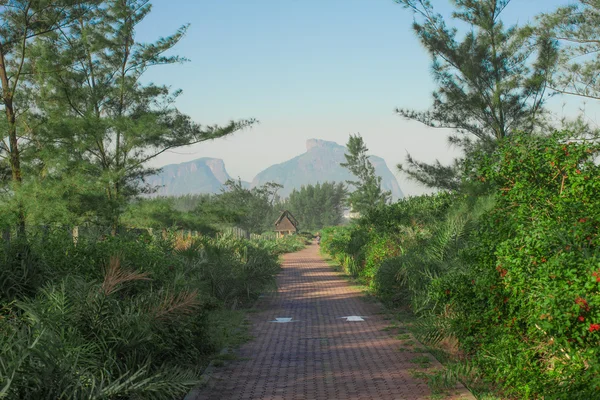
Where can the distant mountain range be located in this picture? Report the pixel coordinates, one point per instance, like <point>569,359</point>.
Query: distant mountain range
<point>204,175</point>
<point>320,163</point>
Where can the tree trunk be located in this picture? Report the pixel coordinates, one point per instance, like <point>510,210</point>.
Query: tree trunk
<point>14,156</point>
<point>15,161</point>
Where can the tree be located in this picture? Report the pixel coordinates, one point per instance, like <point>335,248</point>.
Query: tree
<point>368,193</point>
<point>577,26</point>
<point>250,209</point>
<point>100,113</point>
<point>23,21</point>
<point>491,81</point>
<point>317,206</point>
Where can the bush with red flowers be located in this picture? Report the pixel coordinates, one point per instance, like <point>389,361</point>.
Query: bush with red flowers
<point>511,270</point>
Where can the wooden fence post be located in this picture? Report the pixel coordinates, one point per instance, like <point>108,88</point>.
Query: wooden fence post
<point>75,234</point>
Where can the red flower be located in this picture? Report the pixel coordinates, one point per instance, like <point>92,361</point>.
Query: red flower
<point>582,303</point>
<point>582,220</point>
<point>594,327</point>
<point>581,318</point>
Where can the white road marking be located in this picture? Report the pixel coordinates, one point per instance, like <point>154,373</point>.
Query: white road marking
<point>353,318</point>
<point>282,320</point>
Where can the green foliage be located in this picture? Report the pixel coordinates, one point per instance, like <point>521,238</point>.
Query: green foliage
<point>491,80</point>
<point>577,27</point>
<point>544,274</point>
<point>124,317</point>
<point>253,210</point>
<point>317,206</point>
<point>163,212</point>
<point>512,276</point>
<point>382,233</point>
<point>367,193</point>
<point>95,124</point>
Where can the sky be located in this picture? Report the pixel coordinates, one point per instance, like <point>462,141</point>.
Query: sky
<point>307,69</point>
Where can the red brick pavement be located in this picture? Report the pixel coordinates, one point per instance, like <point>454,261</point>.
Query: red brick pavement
<point>319,355</point>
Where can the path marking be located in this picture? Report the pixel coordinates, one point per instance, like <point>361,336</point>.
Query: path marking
<point>282,320</point>
<point>353,318</point>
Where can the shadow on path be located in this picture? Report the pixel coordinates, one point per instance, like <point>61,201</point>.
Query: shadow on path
<point>319,354</point>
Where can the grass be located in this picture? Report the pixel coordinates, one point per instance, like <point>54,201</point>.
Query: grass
<point>218,363</point>
<point>402,322</point>
<point>437,396</point>
<point>415,373</point>
<point>229,328</point>
<point>403,336</point>
<point>422,361</point>
<point>390,328</point>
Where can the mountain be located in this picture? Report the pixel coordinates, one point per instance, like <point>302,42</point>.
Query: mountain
<point>321,163</point>
<point>204,175</point>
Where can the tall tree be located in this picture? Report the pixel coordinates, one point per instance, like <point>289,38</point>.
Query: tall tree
<point>317,206</point>
<point>22,22</point>
<point>491,79</point>
<point>368,193</point>
<point>99,110</point>
<point>577,27</point>
<point>250,209</point>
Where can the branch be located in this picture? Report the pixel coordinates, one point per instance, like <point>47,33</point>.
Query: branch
<point>563,91</point>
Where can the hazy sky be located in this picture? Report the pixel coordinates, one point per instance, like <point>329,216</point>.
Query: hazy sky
<point>306,69</point>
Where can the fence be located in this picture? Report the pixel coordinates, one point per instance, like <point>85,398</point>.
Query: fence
<point>237,232</point>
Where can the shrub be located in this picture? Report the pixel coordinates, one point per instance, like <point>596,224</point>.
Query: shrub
<point>512,275</point>
<point>120,318</point>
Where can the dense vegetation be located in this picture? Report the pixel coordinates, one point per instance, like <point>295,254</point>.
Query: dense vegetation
<point>107,314</point>
<point>501,267</point>
<point>368,193</point>
<point>512,275</point>
<point>125,317</point>
<point>253,210</point>
<point>503,262</point>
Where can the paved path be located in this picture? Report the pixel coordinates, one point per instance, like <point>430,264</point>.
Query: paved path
<point>319,355</point>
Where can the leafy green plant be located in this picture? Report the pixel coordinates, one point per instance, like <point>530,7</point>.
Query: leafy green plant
<point>124,317</point>
<point>508,270</point>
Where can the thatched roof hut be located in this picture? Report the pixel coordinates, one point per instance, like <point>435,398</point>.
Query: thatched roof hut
<point>286,224</point>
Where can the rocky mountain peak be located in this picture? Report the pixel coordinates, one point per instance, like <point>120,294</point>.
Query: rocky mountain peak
<point>318,143</point>
<point>320,163</point>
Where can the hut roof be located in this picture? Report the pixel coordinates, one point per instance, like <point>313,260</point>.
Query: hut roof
<point>289,215</point>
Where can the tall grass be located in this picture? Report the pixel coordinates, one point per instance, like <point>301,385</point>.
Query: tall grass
<point>121,318</point>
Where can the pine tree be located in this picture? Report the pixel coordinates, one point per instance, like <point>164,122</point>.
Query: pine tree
<point>23,21</point>
<point>491,80</point>
<point>99,112</point>
<point>317,206</point>
<point>577,27</point>
<point>368,193</point>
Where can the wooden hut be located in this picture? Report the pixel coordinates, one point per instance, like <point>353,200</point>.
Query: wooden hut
<point>286,224</point>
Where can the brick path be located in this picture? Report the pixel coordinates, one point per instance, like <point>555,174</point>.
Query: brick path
<point>319,355</point>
